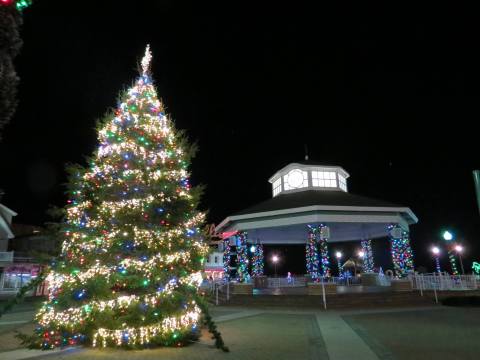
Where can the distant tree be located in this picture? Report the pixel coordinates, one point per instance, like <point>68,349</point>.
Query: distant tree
<point>10,44</point>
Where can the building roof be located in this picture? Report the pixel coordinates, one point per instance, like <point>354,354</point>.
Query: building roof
<point>312,198</point>
<point>6,215</point>
<point>314,163</point>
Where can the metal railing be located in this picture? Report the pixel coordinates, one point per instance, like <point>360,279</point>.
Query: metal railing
<point>286,282</point>
<point>347,281</point>
<point>444,281</point>
<point>221,290</point>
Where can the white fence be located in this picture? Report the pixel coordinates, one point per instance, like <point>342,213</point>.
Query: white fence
<point>285,282</point>
<point>300,281</point>
<point>442,281</point>
<point>346,281</point>
<point>221,292</point>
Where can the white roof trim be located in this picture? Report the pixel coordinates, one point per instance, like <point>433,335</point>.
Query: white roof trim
<point>6,228</point>
<point>6,209</point>
<point>317,218</point>
<point>317,208</point>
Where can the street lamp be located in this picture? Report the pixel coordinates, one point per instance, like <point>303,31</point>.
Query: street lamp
<point>275,260</point>
<point>436,255</point>
<point>338,255</point>
<point>448,237</point>
<point>459,250</point>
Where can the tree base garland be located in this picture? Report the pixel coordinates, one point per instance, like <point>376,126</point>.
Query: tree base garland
<point>212,327</point>
<point>31,341</point>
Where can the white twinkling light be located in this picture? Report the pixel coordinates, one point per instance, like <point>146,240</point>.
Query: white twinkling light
<point>147,58</point>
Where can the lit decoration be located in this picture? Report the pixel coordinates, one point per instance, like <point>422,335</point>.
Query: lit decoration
<point>242,257</point>
<point>476,267</point>
<point>448,237</point>
<point>258,260</point>
<point>436,255</point>
<point>323,234</point>
<point>311,253</point>
<point>339,255</point>
<point>453,261</point>
<point>368,263</point>
<point>317,236</point>
<point>132,257</point>
<point>19,4</point>
<point>402,256</point>
<point>226,259</point>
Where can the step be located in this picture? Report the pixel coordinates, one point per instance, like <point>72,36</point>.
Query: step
<point>334,301</point>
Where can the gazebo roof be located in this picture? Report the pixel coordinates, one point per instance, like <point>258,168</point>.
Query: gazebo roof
<point>307,193</point>
<point>312,198</point>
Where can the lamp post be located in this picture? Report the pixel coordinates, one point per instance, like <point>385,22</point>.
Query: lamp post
<point>459,250</point>
<point>436,255</point>
<point>361,255</point>
<point>338,255</point>
<point>448,237</point>
<point>275,260</point>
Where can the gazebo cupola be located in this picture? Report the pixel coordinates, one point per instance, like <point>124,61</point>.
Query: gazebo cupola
<point>303,177</point>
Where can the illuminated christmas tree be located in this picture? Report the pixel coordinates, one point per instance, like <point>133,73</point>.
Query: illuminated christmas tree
<point>130,265</point>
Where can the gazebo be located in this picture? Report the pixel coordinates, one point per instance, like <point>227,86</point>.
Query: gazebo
<point>311,205</point>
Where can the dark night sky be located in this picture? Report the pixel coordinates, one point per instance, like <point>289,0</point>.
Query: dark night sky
<point>391,95</point>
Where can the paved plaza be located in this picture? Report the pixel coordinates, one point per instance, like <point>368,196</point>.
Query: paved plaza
<point>419,333</point>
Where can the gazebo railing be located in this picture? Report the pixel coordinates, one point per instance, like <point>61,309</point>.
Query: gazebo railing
<point>444,281</point>
<point>294,281</point>
<point>346,281</point>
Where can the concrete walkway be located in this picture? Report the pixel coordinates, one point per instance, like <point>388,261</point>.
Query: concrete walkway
<point>30,354</point>
<point>323,335</point>
<point>341,341</point>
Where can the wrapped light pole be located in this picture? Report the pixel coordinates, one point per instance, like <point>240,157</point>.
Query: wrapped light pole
<point>476,180</point>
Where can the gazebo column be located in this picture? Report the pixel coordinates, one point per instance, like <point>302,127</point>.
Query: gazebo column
<point>311,253</point>
<point>242,257</point>
<point>226,259</point>
<point>402,255</point>
<point>368,263</point>
<point>258,260</point>
<point>323,236</point>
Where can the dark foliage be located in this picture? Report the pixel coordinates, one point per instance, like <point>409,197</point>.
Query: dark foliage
<point>10,44</point>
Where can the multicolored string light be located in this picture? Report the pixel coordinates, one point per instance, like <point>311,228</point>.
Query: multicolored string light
<point>368,263</point>
<point>311,254</point>
<point>242,257</point>
<point>20,5</point>
<point>226,259</point>
<point>401,251</point>
<point>453,261</point>
<point>322,237</point>
<point>132,257</point>
<point>258,260</point>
